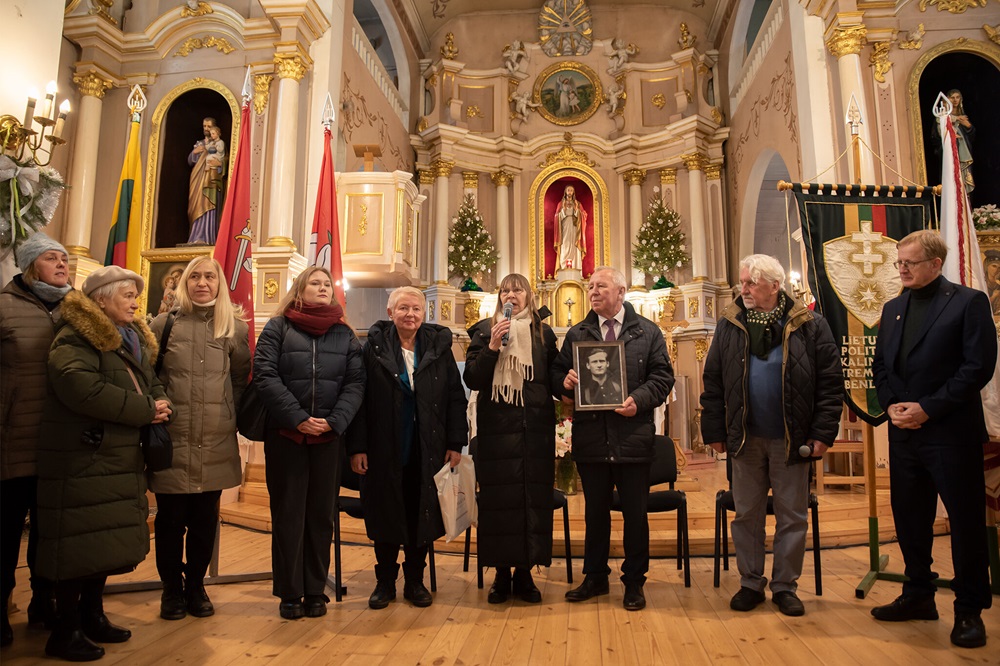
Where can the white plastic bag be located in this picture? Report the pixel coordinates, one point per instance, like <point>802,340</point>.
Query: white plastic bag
<point>457,497</point>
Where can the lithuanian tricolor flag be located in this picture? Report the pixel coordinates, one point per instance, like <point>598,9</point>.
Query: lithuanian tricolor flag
<point>123,240</point>
<point>850,234</point>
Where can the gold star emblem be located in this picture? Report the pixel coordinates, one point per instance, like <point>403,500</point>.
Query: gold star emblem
<point>868,296</point>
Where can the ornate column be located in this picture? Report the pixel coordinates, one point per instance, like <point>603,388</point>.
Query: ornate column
<point>442,171</point>
<point>502,180</point>
<point>634,178</point>
<point>83,172</point>
<point>845,38</point>
<point>470,184</point>
<point>290,68</point>
<point>714,233</point>
<point>668,187</point>
<point>695,163</point>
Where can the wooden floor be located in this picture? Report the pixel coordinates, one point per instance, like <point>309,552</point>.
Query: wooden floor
<point>679,626</point>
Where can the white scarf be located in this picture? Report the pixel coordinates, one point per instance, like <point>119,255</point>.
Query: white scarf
<point>514,365</point>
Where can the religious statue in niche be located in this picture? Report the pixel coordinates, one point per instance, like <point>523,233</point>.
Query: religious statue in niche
<point>568,226</point>
<point>513,55</point>
<point>965,133</point>
<point>205,198</point>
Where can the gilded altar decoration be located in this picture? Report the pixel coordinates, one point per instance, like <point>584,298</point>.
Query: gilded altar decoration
<point>430,311</point>
<point>92,84</point>
<point>710,308</point>
<point>196,8</point>
<point>993,32</point>
<point>713,171</point>
<point>470,179</point>
<point>914,38</point>
<point>446,311</point>
<point>363,222</point>
<point>422,124</point>
<point>659,101</point>
<point>668,176</point>
<point>695,161</point>
<point>290,66</point>
<point>270,289</point>
<point>567,155</point>
<point>952,6</point>
<point>192,43</point>
<point>567,93</point>
<point>847,40</point>
<point>100,8</point>
<point>717,115</point>
<point>634,176</point>
<point>861,273</point>
<point>565,28</point>
<point>686,40</point>
<point>700,349</point>
<point>693,308</point>
<point>880,60</point>
<point>449,51</point>
<point>473,111</point>
<point>472,311</point>
<point>502,178</point>
<point>261,92</point>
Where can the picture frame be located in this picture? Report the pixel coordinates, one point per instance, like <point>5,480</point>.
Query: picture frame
<point>157,266</point>
<point>567,93</point>
<point>592,394</point>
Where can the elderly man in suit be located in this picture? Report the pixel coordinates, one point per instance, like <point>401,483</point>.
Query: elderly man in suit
<point>936,350</point>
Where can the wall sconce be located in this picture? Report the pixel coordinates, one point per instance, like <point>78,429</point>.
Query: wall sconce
<point>18,138</point>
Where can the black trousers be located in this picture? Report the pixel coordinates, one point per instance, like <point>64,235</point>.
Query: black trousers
<point>76,598</point>
<point>415,556</point>
<point>303,481</point>
<point>198,514</point>
<point>17,500</point>
<point>918,473</point>
<point>599,482</point>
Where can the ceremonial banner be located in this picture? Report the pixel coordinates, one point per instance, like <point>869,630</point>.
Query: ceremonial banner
<point>126,223</point>
<point>324,242</point>
<point>850,234</point>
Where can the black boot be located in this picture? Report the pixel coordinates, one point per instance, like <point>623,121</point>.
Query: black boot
<point>42,610</point>
<point>99,629</point>
<point>173,605</point>
<point>500,589</point>
<point>415,592</point>
<point>198,603</point>
<point>72,644</point>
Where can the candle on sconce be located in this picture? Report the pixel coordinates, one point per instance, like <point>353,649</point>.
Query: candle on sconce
<point>29,112</point>
<point>61,121</point>
<point>49,106</point>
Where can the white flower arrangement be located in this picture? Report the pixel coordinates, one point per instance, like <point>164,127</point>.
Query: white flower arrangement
<point>564,437</point>
<point>986,217</point>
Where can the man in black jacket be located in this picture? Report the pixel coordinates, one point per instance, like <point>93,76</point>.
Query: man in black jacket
<point>772,384</point>
<point>936,350</point>
<point>615,448</point>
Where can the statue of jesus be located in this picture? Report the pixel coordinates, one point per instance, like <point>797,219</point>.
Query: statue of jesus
<point>570,222</point>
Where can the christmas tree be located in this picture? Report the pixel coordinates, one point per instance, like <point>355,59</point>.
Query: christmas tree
<point>471,252</point>
<point>659,248</point>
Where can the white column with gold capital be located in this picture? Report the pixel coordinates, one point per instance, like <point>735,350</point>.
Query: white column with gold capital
<point>83,170</point>
<point>290,68</point>
<point>442,172</point>
<point>502,180</point>
<point>634,178</point>
<point>845,38</point>
<point>695,163</point>
<point>715,237</point>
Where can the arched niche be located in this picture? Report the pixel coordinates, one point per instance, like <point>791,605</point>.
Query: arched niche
<point>765,220</point>
<point>973,68</point>
<point>176,126</point>
<point>550,182</point>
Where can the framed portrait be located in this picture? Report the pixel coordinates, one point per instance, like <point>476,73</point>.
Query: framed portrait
<point>162,270</point>
<point>568,93</point>
<point>601,369</point>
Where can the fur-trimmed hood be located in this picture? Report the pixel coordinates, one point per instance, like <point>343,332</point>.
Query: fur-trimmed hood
<point>86,317</point>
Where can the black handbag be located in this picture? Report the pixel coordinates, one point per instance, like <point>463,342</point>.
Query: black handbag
<point>251,416</point>
<point>157,447</point>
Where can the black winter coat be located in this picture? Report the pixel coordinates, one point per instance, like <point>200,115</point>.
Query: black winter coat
<point>299,375</point>
<point>811,384</point>
<point>515,457</point>
<point>604,436</point>
<point>441,426</point>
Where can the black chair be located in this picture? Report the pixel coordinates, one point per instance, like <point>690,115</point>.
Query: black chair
<point>724,503</point>
<point>664,470</point>
<point>352,507</point>
<point>559,501</point>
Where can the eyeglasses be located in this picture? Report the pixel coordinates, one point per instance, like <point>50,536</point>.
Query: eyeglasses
<point>909,264</point>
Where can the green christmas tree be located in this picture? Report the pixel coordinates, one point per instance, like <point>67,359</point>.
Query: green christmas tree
<point>659,248</point>
<point>471,252</point>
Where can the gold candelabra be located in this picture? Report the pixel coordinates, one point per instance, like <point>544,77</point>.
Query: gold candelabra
<point>20,140</point>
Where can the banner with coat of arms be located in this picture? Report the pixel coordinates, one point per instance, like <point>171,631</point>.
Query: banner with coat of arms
<point>850,234</point>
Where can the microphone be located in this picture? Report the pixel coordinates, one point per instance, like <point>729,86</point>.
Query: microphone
<point>508,310</point>
<point>806,450</point>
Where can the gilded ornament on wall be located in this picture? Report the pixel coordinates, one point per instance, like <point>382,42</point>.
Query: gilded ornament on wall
<point>92,84</point>
<point>430,311</point>
<point>502,178</point>
<point>880,60</point>
<point>567,155</point>
<point>470,179</point>
<point>270,288</point>
<point>363,222</point>
<point>710,307</point>
<point>847,40</point>
<point>446,311</point>
<point>195,8</point>
<point>686,40</point>
<point>634,176</point>
<point>473,111</point>
<point>914,39</point>
<point>693,308</point>
<point>993,32</point>
<point>290,66</point>
<point>192,43</point>
<point>700,349</point>
<point>472,311</point>
<point>261,92</point>
<point>449,51</point>
<point>668,176</point>
<point>659,101</point>
<point>952,6</point>
<point>100,8</point>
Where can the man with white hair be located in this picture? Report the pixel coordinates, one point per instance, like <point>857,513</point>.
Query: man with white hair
<point>614,449</point>
<point>772,384</point>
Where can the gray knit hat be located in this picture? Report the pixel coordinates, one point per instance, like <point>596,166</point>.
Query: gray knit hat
<point>109,274</point>
<point>38,243</point>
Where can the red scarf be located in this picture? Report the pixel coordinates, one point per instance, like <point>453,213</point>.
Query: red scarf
<point>315,319</point>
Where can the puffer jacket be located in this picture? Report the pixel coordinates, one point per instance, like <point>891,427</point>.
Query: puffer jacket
<point>515,456</point>
<point>205,378</point>
<point>26,331</point>
<point>811,386</point>
<point>91,489</point>
<point>299,375</point>
<point>604,436</point>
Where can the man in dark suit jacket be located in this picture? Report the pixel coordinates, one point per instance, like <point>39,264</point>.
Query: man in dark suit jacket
<point>936,350</point>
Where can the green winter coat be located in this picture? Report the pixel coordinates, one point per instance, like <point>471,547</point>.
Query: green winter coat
<point>92,505</point>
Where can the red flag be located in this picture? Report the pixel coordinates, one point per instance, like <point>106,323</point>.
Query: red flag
<point>324,243</point>
<point>232,249</point>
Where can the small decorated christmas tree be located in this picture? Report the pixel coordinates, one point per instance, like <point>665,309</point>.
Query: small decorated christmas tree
<point>471,252</point>
<point>659,247</point>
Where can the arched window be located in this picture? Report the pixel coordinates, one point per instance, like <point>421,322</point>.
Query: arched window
<point>757,15</point>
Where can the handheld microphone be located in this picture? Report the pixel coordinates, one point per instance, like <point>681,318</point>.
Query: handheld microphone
<point>508,310</point>
<point>806,451</point>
